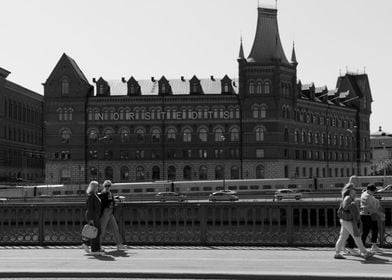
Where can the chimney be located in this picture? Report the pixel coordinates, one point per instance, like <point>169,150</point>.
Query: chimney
<point>153,79</point>
<point>182,78</point>
<point>123,80</point>
<point>212,78</point>
<point>94,80</point>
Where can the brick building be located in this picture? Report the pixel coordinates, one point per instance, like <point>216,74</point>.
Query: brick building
<point>265,124</point>
<point>21,133</point>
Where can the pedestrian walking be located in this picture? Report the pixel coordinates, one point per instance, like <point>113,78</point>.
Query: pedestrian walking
<point>349,216</point>
<point>370,213</point>
<point>107,218</point>
<point>93,215</point>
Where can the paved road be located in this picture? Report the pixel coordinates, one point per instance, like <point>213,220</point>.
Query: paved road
<point>190,263</point>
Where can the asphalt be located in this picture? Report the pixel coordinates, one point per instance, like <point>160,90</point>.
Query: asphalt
<point>189,263</point>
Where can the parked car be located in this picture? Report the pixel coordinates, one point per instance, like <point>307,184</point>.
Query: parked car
<point>223,196</point>
<point>170,196</point>
<point>287,194</point>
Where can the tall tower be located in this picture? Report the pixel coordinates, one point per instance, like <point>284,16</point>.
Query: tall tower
<point>268,92</point>
<point>65,93</point>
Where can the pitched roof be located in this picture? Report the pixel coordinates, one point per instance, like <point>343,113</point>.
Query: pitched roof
<point>76,68</point>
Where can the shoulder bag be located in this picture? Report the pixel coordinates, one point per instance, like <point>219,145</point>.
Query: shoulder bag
<point>89,231</point>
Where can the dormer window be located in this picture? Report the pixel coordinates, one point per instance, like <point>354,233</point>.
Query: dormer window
<point>226,87</point>
<point>101,90</point>
<point>132,89</point>
<point>163,88</point>
<point>64,87</point>
<point>194,87</point>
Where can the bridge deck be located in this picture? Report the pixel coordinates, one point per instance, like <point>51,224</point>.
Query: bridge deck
<point>190,263</point>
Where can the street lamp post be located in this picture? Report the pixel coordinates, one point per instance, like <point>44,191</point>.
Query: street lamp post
<point>352,151</point>
<point>224,164</point>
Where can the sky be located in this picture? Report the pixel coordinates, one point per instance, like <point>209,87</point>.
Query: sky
<point>140,38</point>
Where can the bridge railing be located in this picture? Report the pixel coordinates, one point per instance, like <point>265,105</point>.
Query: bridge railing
<point>241,223</point>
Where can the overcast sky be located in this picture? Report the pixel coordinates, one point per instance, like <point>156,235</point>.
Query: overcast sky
<point>120,38</point>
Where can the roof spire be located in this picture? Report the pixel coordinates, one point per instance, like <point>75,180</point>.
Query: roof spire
<point>241,54</point>
<point>266,45</point>
<point>293,56</point>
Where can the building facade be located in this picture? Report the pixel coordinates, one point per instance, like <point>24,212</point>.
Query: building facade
<point>21,133</point>
<point>381,149</point>
<point>265,124</point>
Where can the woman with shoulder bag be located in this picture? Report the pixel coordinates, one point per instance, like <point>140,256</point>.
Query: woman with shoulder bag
<point>349,223</point>
<point>93,216</point>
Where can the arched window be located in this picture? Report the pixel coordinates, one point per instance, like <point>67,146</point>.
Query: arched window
<point>124,134</point>
<point>108,173</point>
<point>263,112</point>
<point>60,112</point>
<point>259,88</point>
<point>93,135</point>
<point>203,173</point>
<point>139,173</point>
<point>226,87</point>
<point>187,174</point>
<point>266,87</point>
<point>303,136</point>
<point>218,135</point>
<point>187,135</point>
<point>156,173</point>
<point>251,88</point>
<point>171,135</point>
<point>171,173</point>
<point>203,135</point>
<point>234,172</point>
<point>65,135</point>
<point>140,135</point>
<point>316,138</point>
<point>286,135</point>
<point>124,173</point>
<point>64,87</point>
<point>156,135</point>
<point>234,134</point>
<point>259,172</point>
<point>310,137</point>
<point>219,172</point>
<point>259,134</point>
<point>108,135</point>
<point>296,136</point>
<point>255,111</point>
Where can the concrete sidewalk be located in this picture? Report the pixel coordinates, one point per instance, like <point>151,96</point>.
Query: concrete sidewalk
<point>190,263</point>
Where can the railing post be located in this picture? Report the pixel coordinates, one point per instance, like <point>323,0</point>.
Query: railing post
<point>289,225</point>
<point>203,224</point>
<point>41,223</point>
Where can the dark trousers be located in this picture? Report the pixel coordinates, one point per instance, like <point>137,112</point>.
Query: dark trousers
<point>95,243</point>
<point>369,225</point>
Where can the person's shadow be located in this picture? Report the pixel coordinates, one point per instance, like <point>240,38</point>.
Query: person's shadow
<point>118,254</point>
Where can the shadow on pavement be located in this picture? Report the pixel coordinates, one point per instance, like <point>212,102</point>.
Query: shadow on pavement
<point>116,253</point>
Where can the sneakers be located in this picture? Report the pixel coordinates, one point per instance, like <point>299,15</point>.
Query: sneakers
<point>121,247</point>
<point>338,256</point>
<point>86,248</point>
<point>367,255</point>
<point>375,249</point>
<point>353,252</point>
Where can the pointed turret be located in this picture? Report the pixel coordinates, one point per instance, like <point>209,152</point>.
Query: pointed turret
<point>267,47</point>
<point>293,56</point>
<point>241,54</point>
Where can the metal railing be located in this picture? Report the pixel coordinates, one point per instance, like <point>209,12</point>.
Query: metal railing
<point>241,223</point>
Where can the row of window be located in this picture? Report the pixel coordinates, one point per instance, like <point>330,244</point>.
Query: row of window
<point>21,112</point>
<point>325,172</point>
<point>187,173</point>
<point>301,115</point>
<point>156,113</point>
<point>22,135</point>
<point>323,139</point>
<point>23,159</point>
<point>65,114</point>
